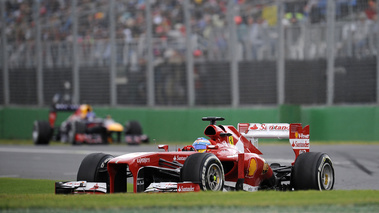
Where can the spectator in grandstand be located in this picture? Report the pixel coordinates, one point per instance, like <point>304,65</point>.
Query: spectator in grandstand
<point>316,10</point>
<point>371,10</point>
<point>242,31</point>
<point>361,35</point>
<point>255,36</point>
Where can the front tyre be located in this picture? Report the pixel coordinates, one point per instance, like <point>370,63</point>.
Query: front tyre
<point>313,170</point>
<point>94,168</point>
<point>204,169</point>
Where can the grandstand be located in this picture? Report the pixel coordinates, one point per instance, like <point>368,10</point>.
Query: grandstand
<point>253,52</point>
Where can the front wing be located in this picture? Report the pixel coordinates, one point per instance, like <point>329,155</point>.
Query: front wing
<point>84,187</point>
<point>80,187</point>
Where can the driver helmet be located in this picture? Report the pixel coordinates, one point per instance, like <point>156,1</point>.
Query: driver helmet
<point>85,110</point>
<point>200,144</point>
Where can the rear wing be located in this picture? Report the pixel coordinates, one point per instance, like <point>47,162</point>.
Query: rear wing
<point>297,135</point>
<point>60,108</point>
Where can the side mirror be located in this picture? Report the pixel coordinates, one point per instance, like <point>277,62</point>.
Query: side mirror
<point>165,147</point>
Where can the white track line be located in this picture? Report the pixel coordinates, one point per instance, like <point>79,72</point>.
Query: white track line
<point>9,176</point>
<point>53,151</point>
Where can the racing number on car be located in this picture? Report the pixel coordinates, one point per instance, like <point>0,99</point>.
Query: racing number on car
<point>231,140</point>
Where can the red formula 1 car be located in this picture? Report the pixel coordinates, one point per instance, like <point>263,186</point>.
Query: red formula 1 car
<point>230,162</point>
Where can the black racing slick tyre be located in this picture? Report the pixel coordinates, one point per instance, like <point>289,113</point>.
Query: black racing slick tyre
<point>204,169</point>
<point>133,128</point>
<point>42,132</point>
<point>94,168</point>
<point>313,171</point>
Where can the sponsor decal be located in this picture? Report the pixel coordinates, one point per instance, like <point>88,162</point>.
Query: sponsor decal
<point>301,136</point>
<point>272,127</point>
<point>186,189</point>
<point>181,158</point>
<point>255,127</point>
<point>231,140</point>
<point>96,186</point>
<point>326,157</point>
<point>75,184</point>
<point>252,167</point>
<point>143,160</point>
<point>300,143</point>
<point>103,164</point>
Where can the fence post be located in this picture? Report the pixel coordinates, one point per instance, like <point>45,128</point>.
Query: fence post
<point>112,76</point>
<point>37,21</point>
<point>280,64</point>
<point>75,60</point>
<point>330,24</point>
<point>233,55</point>
<point>4,56</point>
<point>189,56</point>
<point>377,55</point>
<point>150,68</point>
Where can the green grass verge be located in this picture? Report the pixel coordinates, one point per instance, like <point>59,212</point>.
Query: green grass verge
<point>18,195</point>
<point>15,142</point>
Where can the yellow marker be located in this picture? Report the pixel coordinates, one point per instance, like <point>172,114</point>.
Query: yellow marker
<point>231,140</point>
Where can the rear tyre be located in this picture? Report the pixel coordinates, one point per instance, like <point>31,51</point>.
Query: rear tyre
<point>313,170</point>
<point>94,168</point>
<point>204,169</point>
<point>42,132</point>
<point>134,133</point>
<point>133,128</point>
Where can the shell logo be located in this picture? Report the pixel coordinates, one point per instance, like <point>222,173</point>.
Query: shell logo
<point>252,167</point>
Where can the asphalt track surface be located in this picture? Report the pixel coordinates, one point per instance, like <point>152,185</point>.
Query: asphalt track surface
<point>356,166</point>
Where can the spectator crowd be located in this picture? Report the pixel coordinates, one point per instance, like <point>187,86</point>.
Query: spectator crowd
<point>255,21</point>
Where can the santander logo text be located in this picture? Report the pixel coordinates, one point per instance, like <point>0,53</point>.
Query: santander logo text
<point>186,189</point>
<point>270,127</point>
<point>300,144</point>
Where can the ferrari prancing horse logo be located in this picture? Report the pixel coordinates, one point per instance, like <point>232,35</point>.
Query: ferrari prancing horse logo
<point>231,140</point>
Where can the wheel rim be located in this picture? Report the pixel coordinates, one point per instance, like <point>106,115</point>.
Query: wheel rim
<point>214,177</point>
<point>35,133</point>
<point>327,177</point>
